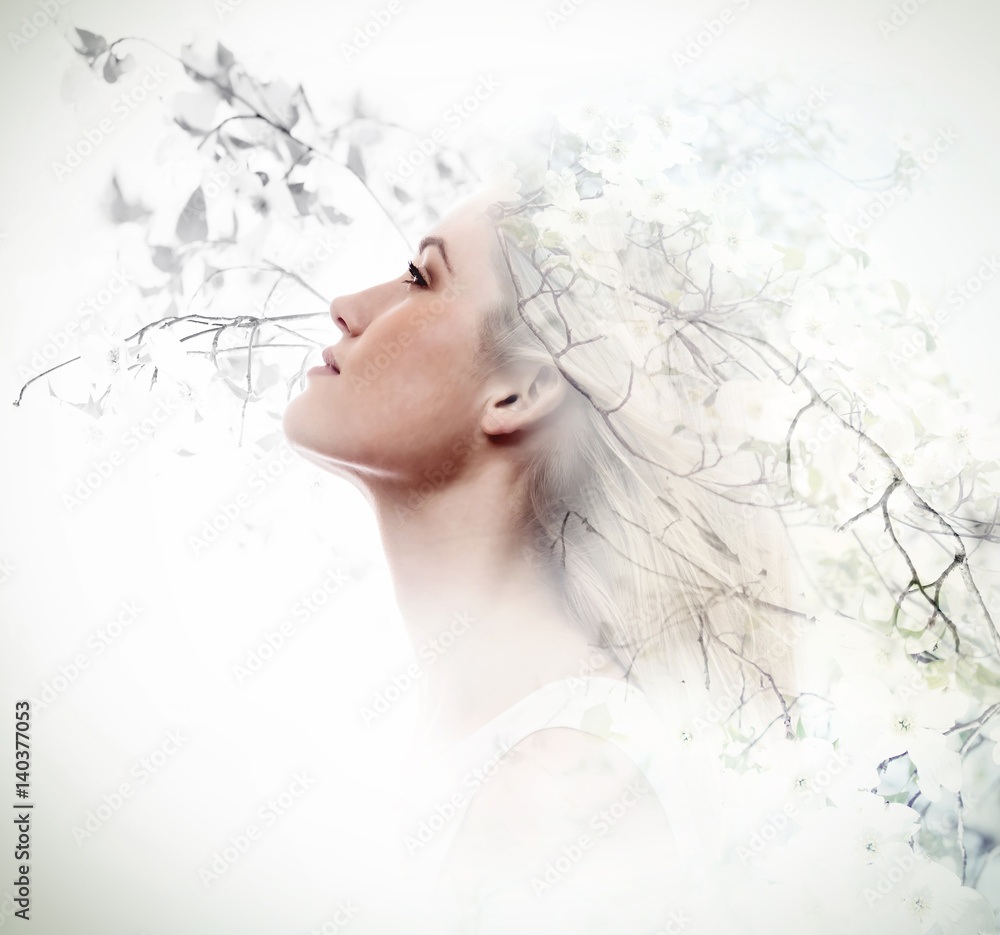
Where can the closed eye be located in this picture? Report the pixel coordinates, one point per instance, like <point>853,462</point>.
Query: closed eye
<point>418,278</point>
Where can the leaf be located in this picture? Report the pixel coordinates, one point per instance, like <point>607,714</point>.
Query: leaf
<point>355,163</point>
<point>240,392</point>
<point>93,44</point>
<point>693,348</point>
<point>192,223</point>
<point>271,441</point>
<point>858,255</point>
<point>164,259</point>
<point>91,407</point>
<point>716,543</point>
<point>597,720</point>
<point>902,295</point>
<point>279,95</point>
<point>522,229</point>
<point>673,297</point>
<point>115,67</point>
<point>194,111</point>
<point>930,343</point>
<point>297,152</point>
<point>442,167</point>
<point>302,197</point>
<point>898,797</point>
<point>359,111</point>
<point>550,239</point>
<point>224,57</point>
<point>794,258</point>
<point>334,215</point>
<point>120,210</point>
<point>266,376</point>
<point>815,481</point>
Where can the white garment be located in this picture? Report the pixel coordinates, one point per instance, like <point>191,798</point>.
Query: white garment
<point>439,791</point>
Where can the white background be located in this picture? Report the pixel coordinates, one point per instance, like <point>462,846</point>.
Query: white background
<point>172,669</point>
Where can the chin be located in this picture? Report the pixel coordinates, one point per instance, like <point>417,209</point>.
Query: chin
<point>309,438</point>
<point>302,428</point>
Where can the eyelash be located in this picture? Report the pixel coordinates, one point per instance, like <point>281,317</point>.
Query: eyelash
<point>418,278</point>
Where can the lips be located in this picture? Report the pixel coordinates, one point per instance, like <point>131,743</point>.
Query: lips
<point>330,360</point>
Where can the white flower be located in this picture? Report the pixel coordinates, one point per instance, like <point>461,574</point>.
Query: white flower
<point>595,220</point>
<point>923,463</point>
<point>655,199</point>
<point>802,773</point>
<point>870,378</point>
<point>822,327</point>
<point>733,245</point>
<point>763,408</point>
<point>168,355</point>
<point>884,723</point>
<point>870,831</point>
<point>680,130</point>
<point>964,433</point>
<point>991,731</point>
<point>104,355</point>
<point>643,149</point>
<point>929,894</point>
<point>561,187</point>
<point>932,462</point>
<point>105,361</point>
<point>261,188</point>
<point>860,650</point>
<point>590,121</point>
<point>603,265</point>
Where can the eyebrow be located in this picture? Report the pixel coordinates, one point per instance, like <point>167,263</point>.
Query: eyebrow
<point>435,242</point>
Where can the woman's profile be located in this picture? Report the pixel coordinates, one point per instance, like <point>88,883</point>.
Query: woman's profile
<point>541,520</point>
<point>687,619</point>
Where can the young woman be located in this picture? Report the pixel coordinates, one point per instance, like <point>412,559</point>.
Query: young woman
<point>534,504</point>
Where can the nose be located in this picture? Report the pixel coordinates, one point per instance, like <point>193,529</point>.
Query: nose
<point>342,314</point>
<point>337,312</point>
<point>353,313</point>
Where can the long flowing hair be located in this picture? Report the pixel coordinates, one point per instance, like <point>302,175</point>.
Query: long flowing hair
<point>664,544</point>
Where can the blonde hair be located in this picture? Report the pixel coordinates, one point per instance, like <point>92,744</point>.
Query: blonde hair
<point>655,554</point>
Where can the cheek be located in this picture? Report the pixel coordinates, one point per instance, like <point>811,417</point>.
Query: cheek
<point>417,363</point>
<point>398,406</point>
<point>420,401</point>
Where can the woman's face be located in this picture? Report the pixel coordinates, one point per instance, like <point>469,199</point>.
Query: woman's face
<point>408,399</point>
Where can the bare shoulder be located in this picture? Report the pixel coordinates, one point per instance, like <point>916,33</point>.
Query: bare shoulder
<point>567,822</point>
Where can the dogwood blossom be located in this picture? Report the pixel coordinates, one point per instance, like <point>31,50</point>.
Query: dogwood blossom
<point>733,245</point>
<point>882,723</point>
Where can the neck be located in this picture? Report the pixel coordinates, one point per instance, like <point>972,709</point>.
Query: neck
<point>487,624</point>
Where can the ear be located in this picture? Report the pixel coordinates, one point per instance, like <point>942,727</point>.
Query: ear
<point>523,395</point>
